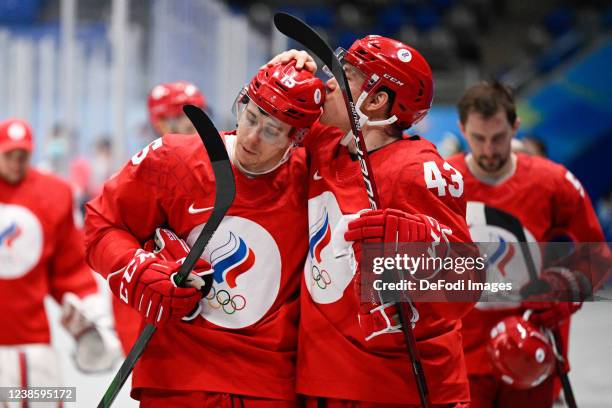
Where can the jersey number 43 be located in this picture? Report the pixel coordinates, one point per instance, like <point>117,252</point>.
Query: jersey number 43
<point>435,180</point>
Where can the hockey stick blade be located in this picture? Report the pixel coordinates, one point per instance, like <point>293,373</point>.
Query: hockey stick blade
<point>301,32</point>
<point>225,192</point>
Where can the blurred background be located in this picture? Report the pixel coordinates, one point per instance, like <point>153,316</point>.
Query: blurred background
<point>80,70</point>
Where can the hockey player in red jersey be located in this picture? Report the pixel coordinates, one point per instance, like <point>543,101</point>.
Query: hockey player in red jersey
<point>165,104</point>
<point>353,354</point>
<point>240,349</point>
<point>42,253</point>
<point>548,201</point>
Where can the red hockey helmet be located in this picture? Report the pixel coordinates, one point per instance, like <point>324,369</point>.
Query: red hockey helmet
<point>167,100</point>
<point>290,95</point>
<point>398,67</point>
<point>15,134</point>
<point>521,353</point>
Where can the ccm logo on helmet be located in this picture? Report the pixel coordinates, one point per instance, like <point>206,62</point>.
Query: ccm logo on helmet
<point>394,80</point>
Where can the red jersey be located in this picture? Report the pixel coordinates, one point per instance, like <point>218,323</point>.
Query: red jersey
<point>41,253</point>
<point>334,359</point>
<point>244,341</point>
<point>548,201</point>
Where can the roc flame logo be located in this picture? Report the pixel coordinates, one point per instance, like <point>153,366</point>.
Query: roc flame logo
<point>231,260</point>
<point>321,236</point>
<point>9,234</point>
<point>502,255</point>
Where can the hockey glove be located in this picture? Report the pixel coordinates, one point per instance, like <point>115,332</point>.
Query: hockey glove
<point>555,296</point>
<point>147,285</point>
<point>168,246</point>
<point>89,322</point>
<point>387,226</point>
<point>394,226</point>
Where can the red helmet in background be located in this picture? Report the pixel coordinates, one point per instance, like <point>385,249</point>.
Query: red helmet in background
<point>398,67</point>
<point>292,96</point>
<point>15,134</point>
<point>521,353</point>
<point>167,100</point>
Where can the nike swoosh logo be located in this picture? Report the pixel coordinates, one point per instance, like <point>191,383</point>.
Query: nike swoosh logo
<point>316,176</point>
<point>193,210</point>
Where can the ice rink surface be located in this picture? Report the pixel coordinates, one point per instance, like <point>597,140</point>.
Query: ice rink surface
<point>590,357</point>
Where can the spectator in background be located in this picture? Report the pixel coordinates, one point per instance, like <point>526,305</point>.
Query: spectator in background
<point>101,165</point>
<point>42,253</point>
<point>56,151</point>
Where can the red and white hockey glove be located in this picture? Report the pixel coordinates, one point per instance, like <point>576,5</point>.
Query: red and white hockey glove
<point>147,284</point>
<point>387,226</point>
<point>89,322</point>
<point>168,246</point>
<point>555,296</point>
<point>394,226</point>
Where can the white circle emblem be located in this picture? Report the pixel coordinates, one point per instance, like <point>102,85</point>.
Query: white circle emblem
<point>540,355</point>
<point>404,55</point>
<point>21,241</point>
<point>317,96</point>
<point>326,276</point>
<point>16,131</point>
<point>247,272</point>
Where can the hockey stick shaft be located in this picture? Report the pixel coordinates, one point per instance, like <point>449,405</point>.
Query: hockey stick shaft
<point>302,33</point>
<point>224,196</point>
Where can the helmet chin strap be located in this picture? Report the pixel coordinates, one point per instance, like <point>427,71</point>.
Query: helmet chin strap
<point>364,120</point>
<point>231,142</point>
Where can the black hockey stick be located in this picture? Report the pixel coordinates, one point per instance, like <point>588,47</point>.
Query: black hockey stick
<point>299,31</point>
<point>224,196</point>
<point>507,221</point>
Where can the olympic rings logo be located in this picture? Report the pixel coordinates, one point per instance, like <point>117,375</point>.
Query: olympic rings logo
<point>320,276</point>
<point>223,300</point>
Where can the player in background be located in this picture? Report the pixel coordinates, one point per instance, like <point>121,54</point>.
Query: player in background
<point>239,348</point>
<point>547,200</point>
<point>165,104</point>
<point>352,352</point>
<point>42,253</point>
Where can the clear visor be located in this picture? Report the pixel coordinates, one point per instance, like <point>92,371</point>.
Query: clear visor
<point>252,118</point>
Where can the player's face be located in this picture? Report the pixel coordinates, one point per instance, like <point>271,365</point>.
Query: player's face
<point>489,139</point>
<point>334,109</point>
<point>180,124</point>
<point>14,165</point>
<point>261,140</point>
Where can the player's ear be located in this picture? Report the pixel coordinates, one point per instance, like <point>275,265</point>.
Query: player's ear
<point>461,128</point>
<point>377,103</point>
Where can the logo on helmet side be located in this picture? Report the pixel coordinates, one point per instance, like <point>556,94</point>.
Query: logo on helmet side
<point>404,55</point>
<point>393,79</point>
<point>317,96</point>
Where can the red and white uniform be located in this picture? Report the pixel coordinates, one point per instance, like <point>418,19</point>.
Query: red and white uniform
<point>244,341</point>
<point>334,359</point>
<point>41,253</point>
<point>549,202</point>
